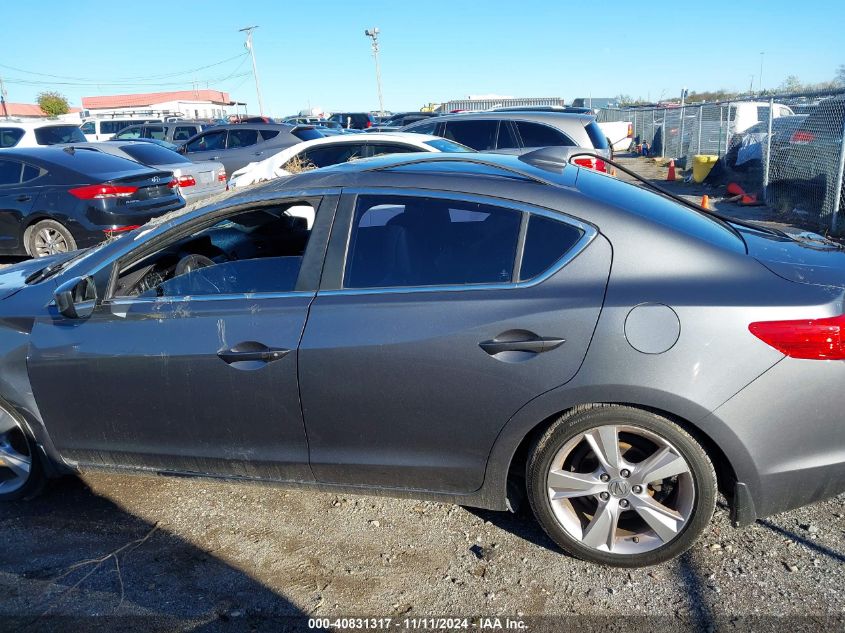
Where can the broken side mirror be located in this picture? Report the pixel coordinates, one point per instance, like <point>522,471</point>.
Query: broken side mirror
<point>76,298</point>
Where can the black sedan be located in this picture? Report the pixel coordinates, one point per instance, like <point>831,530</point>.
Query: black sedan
<point>54,200</point>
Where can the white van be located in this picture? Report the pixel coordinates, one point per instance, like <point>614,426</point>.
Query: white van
<point>744,115</point>
<point>104,129</point>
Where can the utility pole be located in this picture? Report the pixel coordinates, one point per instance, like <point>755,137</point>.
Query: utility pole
<point>760,81</point>
<point>3,96</point>
<point>373,34</point>
<point>248,30</point>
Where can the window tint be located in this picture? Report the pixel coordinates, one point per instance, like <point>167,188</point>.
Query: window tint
<point>539,135</point>
<point>404,241</point>
<point>266,135</point>
<point>307,134</point>
<point>113,127</point>
<point>257,251</point>
<point>10,172</point>
<point>506,137</point>
<point>183,133</point>
<point>241,138</point>
<point>157,132</point>
<point>206,142</point>
<point>129,133</point>
<point>9,136</point>
<point>152,154</point>
<point>425,128</point>
<point>785,112</point>
<point>443,145</point>
<point>480,135</point>
<point>30,172</point>
<point>88,128</point>
<point>546,242</point>
<point>52,134</point>
<point>597,136</point>
<point>331,155</point>
<point>377,149</point>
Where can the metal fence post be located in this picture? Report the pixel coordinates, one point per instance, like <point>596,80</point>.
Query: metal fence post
<point>651,141</point>
<point>837,193</point>
<point>663,136</point>
<point>681,137</point>
<point>721,114</point>
<point>700,120</point>
<point>727,127</point>
<point>768,149</point>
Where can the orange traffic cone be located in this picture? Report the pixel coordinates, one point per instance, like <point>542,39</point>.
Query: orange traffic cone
<point>671,175</point>
<point>613,172</point>
<point>705,201</point>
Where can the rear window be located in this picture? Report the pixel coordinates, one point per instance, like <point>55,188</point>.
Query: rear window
<point>95,164</point>
<point>152,154</point>
<point>596,135</point>
<point>53,134</point>
<point>10,136</point>
<point>307,134</point>
<point>444,145</point>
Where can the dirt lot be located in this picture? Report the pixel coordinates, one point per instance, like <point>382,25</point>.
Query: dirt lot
<point>150,553</point>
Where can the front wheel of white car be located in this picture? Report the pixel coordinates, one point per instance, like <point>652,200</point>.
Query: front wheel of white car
<point>620,486</point>
<point>21,475</point>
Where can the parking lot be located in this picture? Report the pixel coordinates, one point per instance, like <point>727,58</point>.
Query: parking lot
<point>148,553</point>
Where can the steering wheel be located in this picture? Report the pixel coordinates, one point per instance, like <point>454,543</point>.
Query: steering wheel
<point>190,263</point>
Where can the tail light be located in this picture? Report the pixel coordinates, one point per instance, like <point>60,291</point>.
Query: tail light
<point>120,229</point>
<point>803,137</point>
<point>94,192</point>
<point>174,182</point>
<point>630,130</point>
<point>811,339</point>
<point>187,181</point>
<point>221,175</point>
<point>369,123</point>
<point>591,163</point>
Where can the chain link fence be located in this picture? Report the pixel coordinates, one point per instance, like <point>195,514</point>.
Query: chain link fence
<point>787,148</point>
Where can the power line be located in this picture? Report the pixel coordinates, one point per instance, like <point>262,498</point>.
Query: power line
<point>94,81</point>
<point>35,82</point>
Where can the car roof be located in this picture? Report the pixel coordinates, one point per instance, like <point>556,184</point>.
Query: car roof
<point>35,124</point>
<point>64,156</point>
<point>260,126</point>
<point>522,115</point>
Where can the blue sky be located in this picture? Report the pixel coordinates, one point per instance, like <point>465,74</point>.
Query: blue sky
<point>316,53</point>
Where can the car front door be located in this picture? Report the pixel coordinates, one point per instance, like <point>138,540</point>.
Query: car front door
<point>17,197</point>
<point>438,317</point>
<point>192,369</point>
<point>210,145</point>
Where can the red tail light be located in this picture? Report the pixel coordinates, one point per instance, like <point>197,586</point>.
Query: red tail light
<point>630,130</point>
<point>175,183</point>
<point>369,123</point>
<point>120,229</point>
<point>802,138</point>
<point>811,339</point>
<point>221,176</point>
<point>92,192</point>
<point>187,181</point>
<point>591,163</point>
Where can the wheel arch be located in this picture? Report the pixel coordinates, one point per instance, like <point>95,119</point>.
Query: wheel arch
<point>504,478</point>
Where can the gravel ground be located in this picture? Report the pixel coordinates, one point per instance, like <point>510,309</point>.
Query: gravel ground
<point>154,553</point>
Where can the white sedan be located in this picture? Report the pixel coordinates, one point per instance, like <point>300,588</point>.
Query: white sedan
<point>333,150</point>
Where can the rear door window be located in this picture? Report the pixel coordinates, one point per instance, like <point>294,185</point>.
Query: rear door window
<point>129,133</point>
<point>479,135</point>
<point>333,155</point>
<point>53,134</point>
<point>424,128</point>
<point>401,241</point>
<point>539,135</point>
<point>242,137</point>
<point>266,135</point>
<point>507,138</point>
<point>378,149</point>
<point>184,132</point>
<point>155,131</point>
<point>10,136</point>
<point>546,242</point>
<point>10,172</point>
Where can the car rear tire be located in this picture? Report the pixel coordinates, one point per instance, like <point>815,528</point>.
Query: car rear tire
<point>21,472</point>
<point>620,486</point>
<point>49,237</point>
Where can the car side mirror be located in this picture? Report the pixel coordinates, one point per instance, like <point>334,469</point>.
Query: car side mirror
<point>76,298</point>
<point>182,149</point>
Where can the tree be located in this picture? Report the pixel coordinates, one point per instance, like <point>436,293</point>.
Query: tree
<point>53,103</point>
<point>791,84</point>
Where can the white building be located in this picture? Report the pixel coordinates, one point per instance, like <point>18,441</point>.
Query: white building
<point>192,104</point>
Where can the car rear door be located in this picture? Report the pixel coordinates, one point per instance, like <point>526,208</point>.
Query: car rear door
<point>438,317</point>
<point>17,197</point>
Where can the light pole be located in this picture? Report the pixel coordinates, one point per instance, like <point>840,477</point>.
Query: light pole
<point>248,44</point>
<point>373,34</point>
<point>760,81</point>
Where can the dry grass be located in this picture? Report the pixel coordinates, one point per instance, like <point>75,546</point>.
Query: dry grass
<point>297,165</point>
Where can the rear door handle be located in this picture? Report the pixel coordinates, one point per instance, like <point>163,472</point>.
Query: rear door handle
<point>536,345</point>
<point>23,198</point>
<point>252,351</point>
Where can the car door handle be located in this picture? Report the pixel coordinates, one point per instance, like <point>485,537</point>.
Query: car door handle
<point>536,345</point>
<point>23,198</point>
<point>258,153</point>
<point>215,158</point>
<point>252,351</point>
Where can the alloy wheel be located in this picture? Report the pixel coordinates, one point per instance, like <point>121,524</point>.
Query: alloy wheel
<point>621,489</point>
<point>49,241</point>
<point>15,455</point>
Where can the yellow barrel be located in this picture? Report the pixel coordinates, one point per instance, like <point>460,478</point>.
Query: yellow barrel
<point>701,166</point>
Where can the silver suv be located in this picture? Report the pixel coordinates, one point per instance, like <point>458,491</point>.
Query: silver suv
<point>486,131</point>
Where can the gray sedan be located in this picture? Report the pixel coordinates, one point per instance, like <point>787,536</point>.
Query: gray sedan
<point>469,328</point>
<point>197,179</point>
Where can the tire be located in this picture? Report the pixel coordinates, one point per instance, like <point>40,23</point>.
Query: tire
<point>48,237</point>
<point>18,452</point>
<point>611,508</point>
